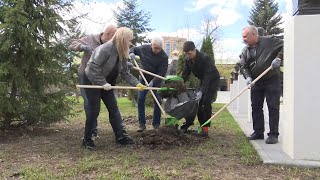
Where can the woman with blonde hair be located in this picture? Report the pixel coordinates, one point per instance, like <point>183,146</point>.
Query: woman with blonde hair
<point>106,62</point>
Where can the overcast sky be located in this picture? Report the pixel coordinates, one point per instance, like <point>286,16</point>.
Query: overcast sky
<point>183,18</point>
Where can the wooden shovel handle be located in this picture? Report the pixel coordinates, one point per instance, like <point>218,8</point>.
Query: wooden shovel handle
<point>150,73</point>
<point>117,87</point>
<point>246,88</point>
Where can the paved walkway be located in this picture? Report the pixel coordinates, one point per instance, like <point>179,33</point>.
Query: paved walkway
<point>269,153</point>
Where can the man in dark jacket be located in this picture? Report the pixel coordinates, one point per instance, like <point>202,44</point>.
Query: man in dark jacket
<point>155,60</point>
<point>201,65</point>
<point>87,45</point>
<point>260,53</point>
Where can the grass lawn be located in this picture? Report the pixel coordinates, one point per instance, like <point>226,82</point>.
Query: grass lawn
<point>55,152</point>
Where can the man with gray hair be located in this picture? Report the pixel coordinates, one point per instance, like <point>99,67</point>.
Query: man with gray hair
<point>260,53</point>
<point>87,45</point>
<point>155,60</point>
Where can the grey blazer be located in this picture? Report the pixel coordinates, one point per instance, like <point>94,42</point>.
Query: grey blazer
<point>101,63</point>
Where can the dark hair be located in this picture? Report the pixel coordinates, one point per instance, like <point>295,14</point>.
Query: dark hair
<point>188,46</point>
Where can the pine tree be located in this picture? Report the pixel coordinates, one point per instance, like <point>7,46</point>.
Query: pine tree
<point>192,81</point>
<point>138,21</point>
<point>207,47</point>
<point>264,14</point>
<point>73,59</point>
<point>32,62</point>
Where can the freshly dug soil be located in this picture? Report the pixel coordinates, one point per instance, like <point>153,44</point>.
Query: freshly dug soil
<point>166,137</point>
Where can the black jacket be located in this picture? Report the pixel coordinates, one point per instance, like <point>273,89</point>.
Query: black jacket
<point>155,63</point>
<point>268,48</point>
<point>203,68</point>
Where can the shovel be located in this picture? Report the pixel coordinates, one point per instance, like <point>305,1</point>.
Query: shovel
<point>170,121</point>
<point>246,88</point>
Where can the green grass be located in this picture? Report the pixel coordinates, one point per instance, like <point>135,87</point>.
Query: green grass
<point>38,173</point>
<point>150,174</point>
<point>227,154</point>
<point>226,122</point>
<point>124,105</point>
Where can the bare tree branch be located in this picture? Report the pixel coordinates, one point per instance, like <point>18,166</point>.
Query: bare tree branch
<point>210,27</point>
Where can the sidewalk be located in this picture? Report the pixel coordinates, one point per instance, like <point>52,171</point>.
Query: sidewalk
<point>270,153</point>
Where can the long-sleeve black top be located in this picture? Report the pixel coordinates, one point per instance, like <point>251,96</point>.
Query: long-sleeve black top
<point>203,68</point>
<point>255,60</point>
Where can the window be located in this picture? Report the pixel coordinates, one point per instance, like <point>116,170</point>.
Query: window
<point>174,46</point>
<point>167,48</point>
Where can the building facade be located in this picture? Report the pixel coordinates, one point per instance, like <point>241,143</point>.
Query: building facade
<point>173,45</point>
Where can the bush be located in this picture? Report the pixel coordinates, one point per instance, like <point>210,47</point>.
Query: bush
<point>33,60</point>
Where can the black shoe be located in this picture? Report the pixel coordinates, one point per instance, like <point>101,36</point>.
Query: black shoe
<point>184,127</point>
<point>124,140</point>
<point>204,134</point>
<point>272,140</point>
<point>142,127</point>
<point>88,144</point>
<point>255,136</point>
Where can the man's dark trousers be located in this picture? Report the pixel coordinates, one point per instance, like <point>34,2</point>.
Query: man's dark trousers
<point>270,90</point>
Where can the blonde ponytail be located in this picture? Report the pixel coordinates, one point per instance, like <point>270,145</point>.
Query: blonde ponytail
<point>122,39</point>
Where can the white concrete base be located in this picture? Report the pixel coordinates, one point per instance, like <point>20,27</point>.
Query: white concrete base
<point>242,103</point>
<point>249,106</point>
<point>301,125</point>
<point>235,91</point>
<point>231,106</point>
<point>265,111</point>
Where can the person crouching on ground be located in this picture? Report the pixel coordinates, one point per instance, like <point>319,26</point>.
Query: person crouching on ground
<point>203,68</point>
<point>106,62</point>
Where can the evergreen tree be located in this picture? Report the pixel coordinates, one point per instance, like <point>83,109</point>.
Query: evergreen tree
<point>32,62</point>
<point>138,21</point>
<point>73,60</point>
<point>264,14</point>
<point>207,47</point>
<point>192,81</point>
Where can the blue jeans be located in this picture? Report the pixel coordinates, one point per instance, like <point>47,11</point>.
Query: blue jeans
<point>93,110</point>
<point>85,103</point>
<point>141,108</point>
